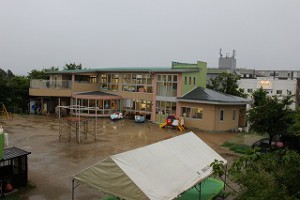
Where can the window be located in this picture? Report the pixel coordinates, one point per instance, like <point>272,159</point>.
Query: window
<point>185,80</point>
<point>165,107</point>
<point>103,80</point>
<point>193,112</point>
<point>249,90</point>
<point>167,87</point>
<point>221,115</point>
<point>109,81</point>
<point>196,113</point>
<point>138,82</point>
<point>185,112</point>
<point>190,80</point>
<point>194,80</point>
<point>233,114</point>
<point>114,82</point>
<point>93,79</point>
<point>278,91</point>
<point>133,106</point>
<point>159,77</point>
<point>175,78</point>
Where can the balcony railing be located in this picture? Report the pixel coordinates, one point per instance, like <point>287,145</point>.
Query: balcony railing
<point>39,84</point>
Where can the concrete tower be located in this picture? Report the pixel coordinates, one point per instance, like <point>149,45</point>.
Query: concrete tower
<point>227,62</point>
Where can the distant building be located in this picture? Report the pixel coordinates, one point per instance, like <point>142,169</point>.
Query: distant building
<point>274,82</point>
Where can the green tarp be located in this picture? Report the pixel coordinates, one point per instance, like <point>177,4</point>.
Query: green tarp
<point>209,189</point>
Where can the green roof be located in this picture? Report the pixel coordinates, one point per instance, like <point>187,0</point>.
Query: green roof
<point>124,69</point>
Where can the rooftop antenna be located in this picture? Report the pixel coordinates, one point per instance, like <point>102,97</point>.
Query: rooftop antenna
<point>233,54</point>
<point>221,53</point>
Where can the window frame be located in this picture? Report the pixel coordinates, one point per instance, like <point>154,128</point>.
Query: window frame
<point>222,114</point>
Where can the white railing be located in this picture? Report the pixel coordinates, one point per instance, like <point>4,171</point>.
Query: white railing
<point>38,84</point>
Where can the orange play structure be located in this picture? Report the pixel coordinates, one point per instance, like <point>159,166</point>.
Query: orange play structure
<point>4,112</point>
<point>172,121</point>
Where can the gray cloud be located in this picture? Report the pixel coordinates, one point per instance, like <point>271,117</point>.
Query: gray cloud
<point>36,34</point>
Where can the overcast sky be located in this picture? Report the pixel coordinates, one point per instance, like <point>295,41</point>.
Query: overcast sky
<point>37,34</point>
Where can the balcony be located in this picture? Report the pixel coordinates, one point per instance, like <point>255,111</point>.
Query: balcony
<point>62,88</point>
<point>44,84</point>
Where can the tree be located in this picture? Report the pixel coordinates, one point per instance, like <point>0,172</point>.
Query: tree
<point>4,97</point>
<point>14,90</point>
<point>72,66</point>
<point>18,92</point>
<point>37,74</point>
<point>270,115</point>
<point>227,83</point>
<point>259,96</point>
<point>51,69</point>
<point>295,127</point>
<point>264,176</point>
<point>41,74</point>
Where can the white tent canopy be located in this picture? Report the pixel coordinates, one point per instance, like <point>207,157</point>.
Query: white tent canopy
<point>159,171</point>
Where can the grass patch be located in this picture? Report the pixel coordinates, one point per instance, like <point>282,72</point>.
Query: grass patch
<point>12,197</point>
<point>237,148</point>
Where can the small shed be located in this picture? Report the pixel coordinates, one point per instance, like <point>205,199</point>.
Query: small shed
<point>13,168</point>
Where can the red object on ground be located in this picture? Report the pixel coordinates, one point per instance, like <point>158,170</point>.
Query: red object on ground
<point>8,187</point>
<point>279,144</point>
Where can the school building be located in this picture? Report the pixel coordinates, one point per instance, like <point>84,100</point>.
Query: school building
<point>156,93</point>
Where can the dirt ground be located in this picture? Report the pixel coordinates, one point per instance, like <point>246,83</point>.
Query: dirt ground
<point>53,162</point>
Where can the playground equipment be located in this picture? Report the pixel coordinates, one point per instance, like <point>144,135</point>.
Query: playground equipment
<point>4,113</point>
<point>1,142</point>
<point>139,118</point>
<point>172,121</point>
<point>116,116</point>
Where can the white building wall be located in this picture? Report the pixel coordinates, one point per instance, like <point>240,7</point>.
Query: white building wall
<point>271,85</point>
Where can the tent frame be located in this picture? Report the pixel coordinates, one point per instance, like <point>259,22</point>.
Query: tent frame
<point>74,186</point>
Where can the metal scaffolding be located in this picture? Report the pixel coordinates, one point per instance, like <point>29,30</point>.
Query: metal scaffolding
<point>75,124</point>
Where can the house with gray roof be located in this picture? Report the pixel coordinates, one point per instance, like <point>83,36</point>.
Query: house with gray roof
<point>210,110</point>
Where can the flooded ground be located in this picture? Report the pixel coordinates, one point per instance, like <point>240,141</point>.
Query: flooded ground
<point>53,162</point>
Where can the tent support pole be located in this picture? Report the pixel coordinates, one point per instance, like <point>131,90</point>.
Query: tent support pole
<point>73,189</point>
<point>199,190</point>
<point>225,179</point>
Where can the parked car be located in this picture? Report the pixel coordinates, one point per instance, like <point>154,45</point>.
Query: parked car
<point>263,145</point>
<point>291,142</point>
